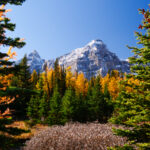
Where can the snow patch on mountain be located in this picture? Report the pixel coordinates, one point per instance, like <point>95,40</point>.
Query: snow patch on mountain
<point>92,59</point>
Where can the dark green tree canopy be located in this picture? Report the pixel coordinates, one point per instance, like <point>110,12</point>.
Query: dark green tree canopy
<point>5,41</point>
<point>14,2</point>
<point>133,108</point>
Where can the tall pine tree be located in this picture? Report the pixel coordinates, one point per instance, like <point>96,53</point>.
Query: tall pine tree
<point>24,86</point>
<point>24,75</point>
<point>33,109</point>
<point>134,106</point>
<point>68,105</point>
<point>95,102</point>
<point>55,108</point>
<point>6,67</point>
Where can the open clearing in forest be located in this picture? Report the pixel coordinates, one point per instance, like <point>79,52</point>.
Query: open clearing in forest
<point>75,136</point>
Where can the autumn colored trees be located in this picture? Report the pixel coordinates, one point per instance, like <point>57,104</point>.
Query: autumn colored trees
<point>63,96</point>
<point>6,69</point>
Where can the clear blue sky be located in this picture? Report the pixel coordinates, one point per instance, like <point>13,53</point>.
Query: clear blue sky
<point>56,27</point>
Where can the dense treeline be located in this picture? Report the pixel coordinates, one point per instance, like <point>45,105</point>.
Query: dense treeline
<point>57,96</point>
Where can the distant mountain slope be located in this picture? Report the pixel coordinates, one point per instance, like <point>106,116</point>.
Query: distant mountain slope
<point>91,59</point>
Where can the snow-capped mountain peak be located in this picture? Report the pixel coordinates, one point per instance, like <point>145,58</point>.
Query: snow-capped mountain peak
<point>91,59</point>
<point>34,54</point>
<point>95,43</point>
<point>35,61</point>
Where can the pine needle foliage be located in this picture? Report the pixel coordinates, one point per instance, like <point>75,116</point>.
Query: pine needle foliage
<point>133,109</point>
<point>6,67</point>
<point>55,108</point>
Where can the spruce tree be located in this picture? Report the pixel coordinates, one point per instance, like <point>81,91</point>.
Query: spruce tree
<point>25,90</point>
<point>133,109</point>
<point>109,105</point>
<point>56,72</point>
<point>55,108</point>
<point>33,109</point>
<point>24,75</point>
<point>62,83</point>
<point>6,67</point>
<point>68,105</point>
<point>43,107</point>
<point>94,101</point>
<point>40,83</point>
<point>80,109</point>
<point>12,2</point>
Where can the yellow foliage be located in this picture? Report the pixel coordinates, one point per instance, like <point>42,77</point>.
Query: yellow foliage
<point>5,80</point>
<point>104,81</point>
<point>48,80</point>
<point>132,82</point>
<point>113,87</point>
<point>49,77</point>
<point>81,84</point>
<point>70,80</point>
<point>112,83</point>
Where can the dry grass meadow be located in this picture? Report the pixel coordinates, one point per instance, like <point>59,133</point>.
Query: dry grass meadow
<point>75,136</point>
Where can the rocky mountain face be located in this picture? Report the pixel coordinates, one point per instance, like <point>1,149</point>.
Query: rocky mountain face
<point>92,59</point>
<point>35,61</point>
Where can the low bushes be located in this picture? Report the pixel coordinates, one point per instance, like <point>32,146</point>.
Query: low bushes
<point>92,136</point>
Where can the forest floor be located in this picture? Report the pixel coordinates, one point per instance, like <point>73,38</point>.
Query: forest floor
<point>76,136</point>
<point>17,133</point>
<point>89,136</point>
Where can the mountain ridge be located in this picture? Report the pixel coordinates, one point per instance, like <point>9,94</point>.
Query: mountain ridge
<point>91,59</point>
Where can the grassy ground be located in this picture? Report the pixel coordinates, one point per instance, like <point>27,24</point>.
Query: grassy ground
<point>19,135</point>
<point>14,135</point>
<point>75,136</point>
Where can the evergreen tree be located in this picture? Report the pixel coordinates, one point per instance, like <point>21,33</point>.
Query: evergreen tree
<point>68,104</point>
<point>56,72</point>
<point>80,109</point>
<point>59,77</point>
<point>62,83</point>
<point>46,80</point>
<point>90,87</point>
<point>6,67</point>
<point>24,74</point>
<point>43,107</point>
<point>55,108</point>
<point>94,98</point>
<point>24,86</point>
<point>33,108</point>
<point>40,83</point>
<point>134,106</point>
<point>12,2</point>
<point>14,81</point>
<point>109,105</point>
<point>97,103</point>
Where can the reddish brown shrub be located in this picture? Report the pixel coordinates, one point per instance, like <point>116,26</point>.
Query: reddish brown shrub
<point>76,136</point>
